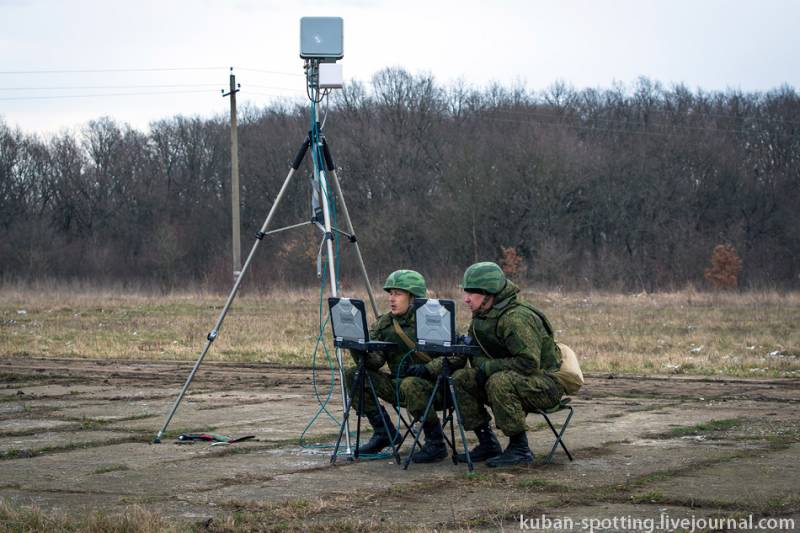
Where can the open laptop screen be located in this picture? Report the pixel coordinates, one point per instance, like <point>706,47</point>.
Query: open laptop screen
<point>349,324</point>
<point>348,319</point>
<point>435,322</point>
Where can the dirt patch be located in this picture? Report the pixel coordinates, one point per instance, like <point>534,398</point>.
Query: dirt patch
<point>643,447</point>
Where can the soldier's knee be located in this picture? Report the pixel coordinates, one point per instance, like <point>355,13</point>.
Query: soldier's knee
<point>462,377</point>
<point>499,383</point>
<point>412,385</point>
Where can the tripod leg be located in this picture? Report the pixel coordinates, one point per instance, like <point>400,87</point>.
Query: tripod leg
<point>423,418</point>
<point>451,406</point>
<point>213,334</point>
<point>447,418</point>
<point>454,398</point>
<point>361,377</point>
<point>357,382</point>
<point>448,408</point>
<point>332,169</point>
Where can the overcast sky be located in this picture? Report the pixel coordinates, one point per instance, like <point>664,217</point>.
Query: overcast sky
<point>142,60</point>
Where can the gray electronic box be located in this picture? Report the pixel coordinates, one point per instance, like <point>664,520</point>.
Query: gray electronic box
<point>321,38</point>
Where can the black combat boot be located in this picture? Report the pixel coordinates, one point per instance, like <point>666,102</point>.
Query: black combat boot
<point>434,449</point>
<point>380,438</point>
<point>488,446</point>
<point>517,452</point>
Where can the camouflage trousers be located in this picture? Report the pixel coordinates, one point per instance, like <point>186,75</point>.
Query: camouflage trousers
<point>510,395</point>
<point>414,392</point>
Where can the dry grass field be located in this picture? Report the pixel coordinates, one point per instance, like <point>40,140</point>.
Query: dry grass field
<point>751,334</point>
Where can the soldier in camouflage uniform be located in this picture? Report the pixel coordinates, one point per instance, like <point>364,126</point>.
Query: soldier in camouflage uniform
<point>407,371</point>
<point>513,372</point>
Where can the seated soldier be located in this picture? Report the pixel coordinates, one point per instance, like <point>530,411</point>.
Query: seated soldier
<point>398,326</point>
<point>514,371</point>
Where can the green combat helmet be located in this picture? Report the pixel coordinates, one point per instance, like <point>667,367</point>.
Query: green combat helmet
<point>407,280</point>
<point>484,277</point>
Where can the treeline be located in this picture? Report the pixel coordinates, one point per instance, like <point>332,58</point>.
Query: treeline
<point>621,188</point>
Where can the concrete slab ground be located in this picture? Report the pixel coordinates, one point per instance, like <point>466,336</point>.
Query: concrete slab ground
<point>644,448</point>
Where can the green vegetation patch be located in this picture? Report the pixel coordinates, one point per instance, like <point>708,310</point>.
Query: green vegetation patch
<point>104,469</point>
<point>704,429</point>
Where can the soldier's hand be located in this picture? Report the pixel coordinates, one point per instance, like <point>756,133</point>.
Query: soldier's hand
<point>480,376</point>
<point>418,371</point>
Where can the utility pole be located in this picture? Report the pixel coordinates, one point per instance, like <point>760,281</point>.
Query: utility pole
<point>237,241</point>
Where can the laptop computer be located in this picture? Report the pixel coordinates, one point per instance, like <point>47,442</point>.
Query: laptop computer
<point>436,327</point>
<point>349,324</point>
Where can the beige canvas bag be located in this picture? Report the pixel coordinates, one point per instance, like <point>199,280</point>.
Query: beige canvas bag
<point>569,374</point>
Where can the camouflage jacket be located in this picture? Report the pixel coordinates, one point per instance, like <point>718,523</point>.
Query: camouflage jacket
<point>514,335</point>
<point>383,330</point>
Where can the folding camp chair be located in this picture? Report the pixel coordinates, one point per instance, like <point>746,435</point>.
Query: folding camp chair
<point>563,405</point>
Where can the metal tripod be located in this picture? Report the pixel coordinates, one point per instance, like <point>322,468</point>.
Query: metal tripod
<point>449,408</point>
<point>323,166</point>
<point>362,379</point>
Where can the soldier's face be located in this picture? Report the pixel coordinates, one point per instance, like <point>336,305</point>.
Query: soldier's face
<point>399,301</point>
<point>475,300</point>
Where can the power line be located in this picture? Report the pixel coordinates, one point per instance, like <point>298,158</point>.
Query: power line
<point>138,86</point>
<point>162,69</point>
<point>100,70</point>
<point>54,97</point>
<point>271,72</point>
<point>247,93</point>
<point>83,87</point>
<point>273,88</point>
<point>59,96</point>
